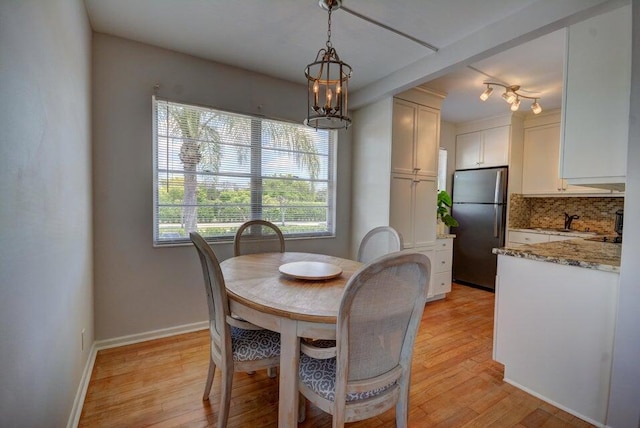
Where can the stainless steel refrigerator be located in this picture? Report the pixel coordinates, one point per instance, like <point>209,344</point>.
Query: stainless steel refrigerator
<point>479,206</point>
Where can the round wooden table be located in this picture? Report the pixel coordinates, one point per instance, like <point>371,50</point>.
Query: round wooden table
<point>295,308</point>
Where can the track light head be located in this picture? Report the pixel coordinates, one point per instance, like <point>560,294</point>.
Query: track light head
<point>486,93</point>
<point>535,107</point>
<point>516,104</point>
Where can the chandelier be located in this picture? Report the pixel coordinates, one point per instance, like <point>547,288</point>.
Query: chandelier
<point>511,96</point>
<point>327,84</point>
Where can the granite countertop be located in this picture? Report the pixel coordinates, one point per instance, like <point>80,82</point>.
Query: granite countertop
<point>602,256</point>
<point>560,232</point>
<point>445,235</point>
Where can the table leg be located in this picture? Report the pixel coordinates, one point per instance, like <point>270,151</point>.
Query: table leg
<point>289,360</point>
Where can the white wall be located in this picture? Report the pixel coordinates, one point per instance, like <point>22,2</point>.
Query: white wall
<point>624,399</point>
<point>448,141</point>
<point>371,169</point>
<point>139,288</point>
<point>45,209</point>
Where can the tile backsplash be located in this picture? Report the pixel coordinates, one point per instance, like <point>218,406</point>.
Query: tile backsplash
<point>596,214</point>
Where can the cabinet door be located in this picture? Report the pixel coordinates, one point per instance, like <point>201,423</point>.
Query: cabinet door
<point>404,129</point>
<point>495,147</point>
<point>401,210</point>
<point>427,141</point>
<point>468,150</point>
<point>440,284</point>
<point>413,209</point>
<point>424,211</point>
<point>540,160</point>
<point>596,99</point>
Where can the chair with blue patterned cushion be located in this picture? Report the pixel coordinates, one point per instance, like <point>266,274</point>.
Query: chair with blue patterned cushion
<point>379,241</point>
<point>369,370</point>
<point>258,236</point>
<point>236,345</point>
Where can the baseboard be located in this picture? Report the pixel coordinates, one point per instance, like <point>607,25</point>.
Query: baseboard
<point>151,335</point>
<point>553,403</point>
<point>78,402</point>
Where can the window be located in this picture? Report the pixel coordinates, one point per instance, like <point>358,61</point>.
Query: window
<point>215,170</point>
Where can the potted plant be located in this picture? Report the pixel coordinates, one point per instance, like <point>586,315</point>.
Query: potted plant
<point>442,214</point>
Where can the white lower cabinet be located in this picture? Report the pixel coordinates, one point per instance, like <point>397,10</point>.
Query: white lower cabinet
<point>412,209</point>
<point>441,257</point>
<point>553,331</point>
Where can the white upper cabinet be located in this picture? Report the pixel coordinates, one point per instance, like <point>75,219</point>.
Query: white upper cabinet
<point>483,149</point>
<point>540,160</point>
<point>596,100</point>
<point>415,139</point>
<point>540,169</point>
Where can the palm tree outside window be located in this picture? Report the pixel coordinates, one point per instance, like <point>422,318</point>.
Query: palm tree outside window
<point>214,170</point>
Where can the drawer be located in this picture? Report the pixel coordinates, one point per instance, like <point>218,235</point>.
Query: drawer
<point>442,261</point>
<point>527,238</point>
<point>444,244</point>
<point>441,283</point>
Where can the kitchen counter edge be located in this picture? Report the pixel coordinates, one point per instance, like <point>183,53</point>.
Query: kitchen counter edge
<point>601,256</point>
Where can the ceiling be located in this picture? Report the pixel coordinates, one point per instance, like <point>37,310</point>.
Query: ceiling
<point>510,41</point>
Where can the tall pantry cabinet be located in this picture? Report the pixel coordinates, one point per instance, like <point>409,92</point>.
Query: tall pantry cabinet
<point>395,168</point>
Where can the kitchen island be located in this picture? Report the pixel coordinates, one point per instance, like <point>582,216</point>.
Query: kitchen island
<point>554,322</point>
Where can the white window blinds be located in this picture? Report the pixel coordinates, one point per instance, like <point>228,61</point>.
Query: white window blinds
<point>215,170</point>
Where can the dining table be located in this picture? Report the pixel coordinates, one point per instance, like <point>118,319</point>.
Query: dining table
<point>302,302</point>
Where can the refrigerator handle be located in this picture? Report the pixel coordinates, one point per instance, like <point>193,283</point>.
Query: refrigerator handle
<point>495,221</point>
<point>497,197</point>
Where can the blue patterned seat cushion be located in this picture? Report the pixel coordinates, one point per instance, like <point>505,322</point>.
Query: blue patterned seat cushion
<point>249,345</point>
<point>319,375</point>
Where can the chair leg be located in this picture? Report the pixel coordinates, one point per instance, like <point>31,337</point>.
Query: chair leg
<point>402,406</point>
<point>207,387</point>
<point>271,372</point>
<point>302,408</point>
<point>225,397</point>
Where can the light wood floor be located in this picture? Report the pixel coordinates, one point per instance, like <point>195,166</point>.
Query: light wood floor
<point>454,382</point>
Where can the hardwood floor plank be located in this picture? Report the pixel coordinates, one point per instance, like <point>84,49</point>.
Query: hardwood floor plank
<point>454,381</point>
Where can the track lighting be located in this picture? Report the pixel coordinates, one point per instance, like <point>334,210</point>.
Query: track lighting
<point>511,96</point>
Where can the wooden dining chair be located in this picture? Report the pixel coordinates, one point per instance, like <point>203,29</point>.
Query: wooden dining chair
<point>369,370</point>
<point>236,345</point>
<point>258,236</point>
<point>378,242</point>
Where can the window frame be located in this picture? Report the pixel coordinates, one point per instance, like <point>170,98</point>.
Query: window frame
<point>256,151</point>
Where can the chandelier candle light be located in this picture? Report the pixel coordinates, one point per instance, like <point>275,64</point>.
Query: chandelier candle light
<point>511,96</point>
<point>327,81</point>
